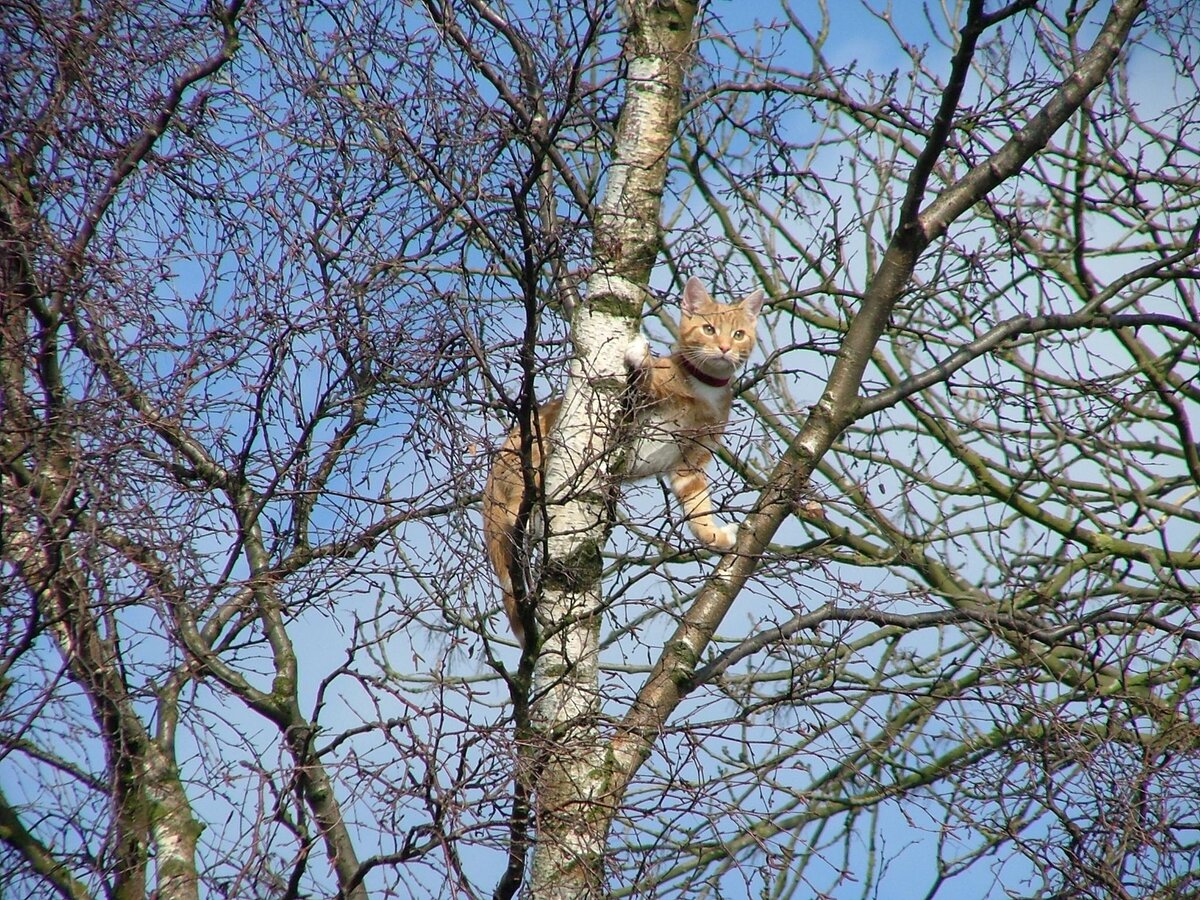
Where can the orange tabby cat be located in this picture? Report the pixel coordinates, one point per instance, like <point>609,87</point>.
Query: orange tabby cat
<point>682,408</point>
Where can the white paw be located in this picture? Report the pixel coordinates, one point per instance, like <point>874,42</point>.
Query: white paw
<point>724,538</point>
<point>637,354</point>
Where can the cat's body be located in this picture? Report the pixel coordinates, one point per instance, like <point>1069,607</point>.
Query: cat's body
<point>682,408</point>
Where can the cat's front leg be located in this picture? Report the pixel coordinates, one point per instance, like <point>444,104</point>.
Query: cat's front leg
<point>691,487</point>
<point>726,538</point>
<point>637,355</point>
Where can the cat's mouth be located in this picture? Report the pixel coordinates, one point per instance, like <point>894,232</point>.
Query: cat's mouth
<point>714,362</point>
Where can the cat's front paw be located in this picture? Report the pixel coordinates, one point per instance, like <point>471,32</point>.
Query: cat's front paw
<point>724,538</point>
<point>637,354</point>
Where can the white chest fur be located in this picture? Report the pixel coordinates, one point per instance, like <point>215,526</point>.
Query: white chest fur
<point>716,398</point>
<point>657,449</point>
<point>664,435</point>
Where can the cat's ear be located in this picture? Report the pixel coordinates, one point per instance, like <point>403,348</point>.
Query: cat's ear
<point>694,296</point>
<point>753,302</point>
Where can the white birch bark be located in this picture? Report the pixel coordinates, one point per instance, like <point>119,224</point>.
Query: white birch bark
<point>572,823</point>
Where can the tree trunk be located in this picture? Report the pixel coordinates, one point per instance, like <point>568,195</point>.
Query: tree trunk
<point>572,826</point>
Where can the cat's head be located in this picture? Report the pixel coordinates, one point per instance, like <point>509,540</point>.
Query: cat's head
<point>716,337</point>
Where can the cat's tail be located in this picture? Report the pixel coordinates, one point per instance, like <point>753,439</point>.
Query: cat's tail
<point>501,500</point>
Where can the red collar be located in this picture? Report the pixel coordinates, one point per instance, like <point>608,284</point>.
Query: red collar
<point>702,377</point>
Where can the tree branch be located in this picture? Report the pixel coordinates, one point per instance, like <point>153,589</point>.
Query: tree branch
<point>38,855</point>
<point>838,405</point>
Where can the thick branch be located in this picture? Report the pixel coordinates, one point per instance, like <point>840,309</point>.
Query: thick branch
<point>38,855</point>
<point>1093,68</point>
<point>839,402</point>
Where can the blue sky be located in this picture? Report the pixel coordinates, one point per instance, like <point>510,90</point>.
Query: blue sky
<point>428,566</point>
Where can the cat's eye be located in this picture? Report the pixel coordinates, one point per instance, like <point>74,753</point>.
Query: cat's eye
<point>739,334</point>
<point>708,329</point>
